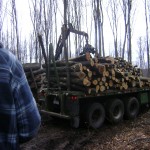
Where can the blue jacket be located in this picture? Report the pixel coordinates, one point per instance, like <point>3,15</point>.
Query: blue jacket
<point>19,117</point>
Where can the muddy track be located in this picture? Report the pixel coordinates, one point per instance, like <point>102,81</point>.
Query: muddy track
<point>58,135</point>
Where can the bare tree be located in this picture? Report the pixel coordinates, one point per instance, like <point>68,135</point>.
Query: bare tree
<point>44,21</point>
<point>141,50</point>
<point>74,16</point>
<point>24,52</point>
<point>98,21</point>
<point>0,17</point>
<point>147,33</point>
<point>31,47</point>
<point>15,25</point>
<point>113,15</point>
<point>129,31</point>
<point>35,16</point>
<point>124,6</point>
<point>48,22</point>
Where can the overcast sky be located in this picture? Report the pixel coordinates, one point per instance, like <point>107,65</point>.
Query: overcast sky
<point>137,30</point>
<point>24,17</point>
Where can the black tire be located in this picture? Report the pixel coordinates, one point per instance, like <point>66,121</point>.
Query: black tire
<point>115,111</point>
<point>74,122</point>
<point>132,107</point>
<point>95,115</point>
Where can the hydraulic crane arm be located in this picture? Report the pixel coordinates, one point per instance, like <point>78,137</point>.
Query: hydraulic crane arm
<point>67,30</point>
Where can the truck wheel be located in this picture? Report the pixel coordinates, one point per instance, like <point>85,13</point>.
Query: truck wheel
<point>115,111</point>
<point>131,108</point>
<point>95,115</point>
<point>74,122</point>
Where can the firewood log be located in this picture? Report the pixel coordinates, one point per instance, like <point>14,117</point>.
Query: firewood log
<point>86,82</point>
<point>80,58</point>
<point>102,88</point>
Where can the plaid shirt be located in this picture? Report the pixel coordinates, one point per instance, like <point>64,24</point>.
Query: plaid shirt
<point>19,116</point>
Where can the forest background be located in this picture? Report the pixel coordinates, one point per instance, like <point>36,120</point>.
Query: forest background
<point>118,28</point>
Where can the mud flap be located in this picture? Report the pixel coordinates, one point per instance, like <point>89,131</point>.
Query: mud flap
<point>75,122</point>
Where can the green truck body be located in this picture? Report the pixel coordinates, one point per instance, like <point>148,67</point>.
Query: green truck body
<point>79,107</point>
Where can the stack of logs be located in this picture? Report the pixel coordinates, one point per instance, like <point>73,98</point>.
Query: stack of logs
<point>96,75</point>
<point>34,75</point>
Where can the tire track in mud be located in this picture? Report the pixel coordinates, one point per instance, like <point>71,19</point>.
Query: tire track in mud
<point>56,134</point>
<point>69,138</point>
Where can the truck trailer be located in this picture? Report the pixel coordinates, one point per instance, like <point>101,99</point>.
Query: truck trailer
<point>79,107</point>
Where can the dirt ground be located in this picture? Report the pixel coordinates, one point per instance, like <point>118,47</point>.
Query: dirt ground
<point>56,134</point>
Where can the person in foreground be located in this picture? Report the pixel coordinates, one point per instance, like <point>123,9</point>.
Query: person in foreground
<point>19,116</point>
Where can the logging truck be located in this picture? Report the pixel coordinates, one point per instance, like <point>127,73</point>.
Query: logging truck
<point>91,89</point>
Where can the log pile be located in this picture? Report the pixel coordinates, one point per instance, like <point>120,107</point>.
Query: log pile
<point>87,74</point>
<point>96,75</point>
<point>34,75</point>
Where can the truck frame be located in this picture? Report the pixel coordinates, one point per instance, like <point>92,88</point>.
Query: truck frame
<point>113,106</point>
